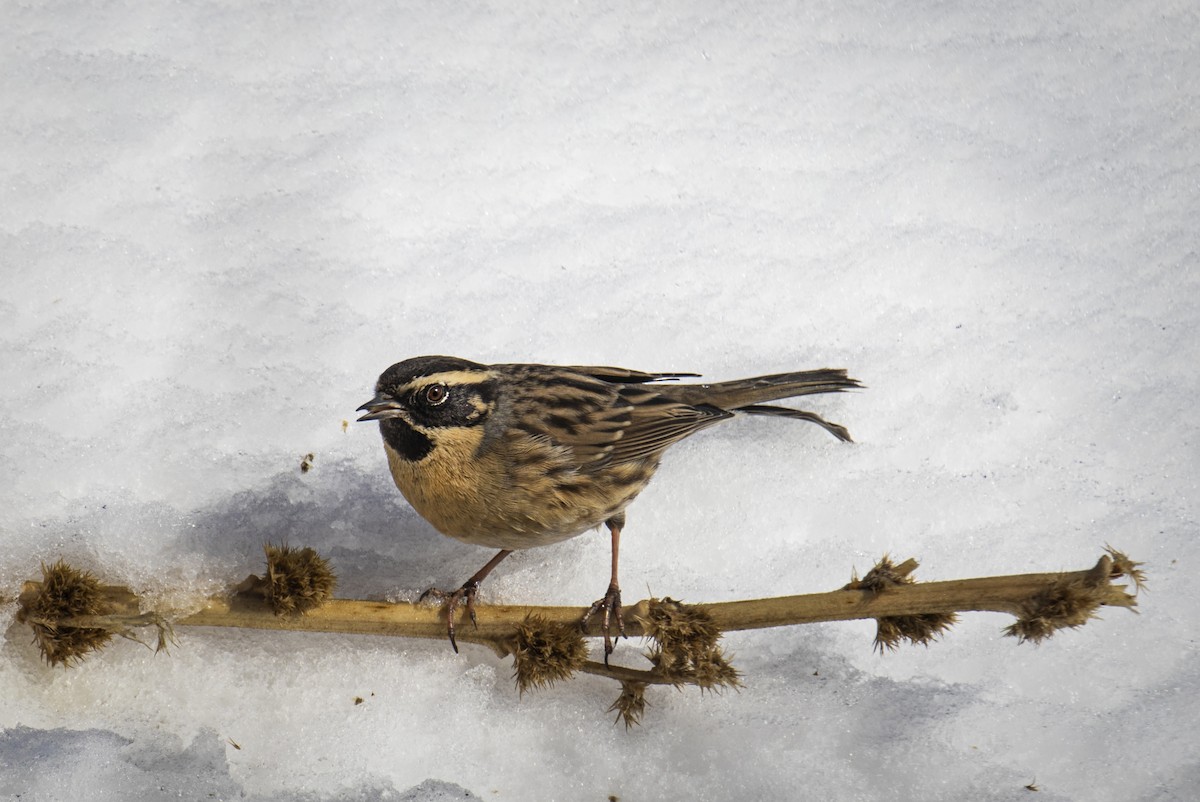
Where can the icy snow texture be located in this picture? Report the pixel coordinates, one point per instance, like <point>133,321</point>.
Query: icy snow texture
<point>221,221</point>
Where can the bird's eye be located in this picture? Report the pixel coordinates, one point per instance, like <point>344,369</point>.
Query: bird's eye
<point>436,394</point>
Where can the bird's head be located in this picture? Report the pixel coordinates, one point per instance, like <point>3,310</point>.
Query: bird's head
<point>423,400</point>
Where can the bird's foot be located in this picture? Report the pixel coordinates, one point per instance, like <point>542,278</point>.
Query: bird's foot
<point>452,600</point>
<point>611,607</point>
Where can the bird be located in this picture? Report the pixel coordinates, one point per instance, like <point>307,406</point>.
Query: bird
<point>517,456</point>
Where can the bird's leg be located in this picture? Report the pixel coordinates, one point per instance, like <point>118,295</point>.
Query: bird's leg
<point>467,591</point>
<point>611,603</point>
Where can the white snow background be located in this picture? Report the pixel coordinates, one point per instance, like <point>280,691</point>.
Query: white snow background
<point>221,221</point>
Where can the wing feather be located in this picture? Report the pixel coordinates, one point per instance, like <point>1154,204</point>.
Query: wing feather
<point>627,376</point>
<point>603,415</point>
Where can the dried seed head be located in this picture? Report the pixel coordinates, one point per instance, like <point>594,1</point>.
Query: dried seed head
<point>714,672</point>
<point>298,580</point>
<point>1123,566</point>
<point>545,653</point>
<point>65,593</point>
<point>685,647</point>
<point>631,704</point>
<point>1069,602</point>
<point>679,625</point>
<point>885,574</point>
<point>921,629</point>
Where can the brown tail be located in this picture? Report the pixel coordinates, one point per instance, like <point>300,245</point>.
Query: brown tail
<point>744,392</point>
<point>746,395</point>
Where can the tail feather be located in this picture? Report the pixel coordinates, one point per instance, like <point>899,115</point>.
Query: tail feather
<point>747,392</point>
<point>748,395</point>
<point>835,429</point>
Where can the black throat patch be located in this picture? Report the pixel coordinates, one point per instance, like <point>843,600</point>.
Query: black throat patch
<point>404,439</point>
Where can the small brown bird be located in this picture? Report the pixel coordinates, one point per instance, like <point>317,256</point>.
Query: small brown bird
<point>517,456</point>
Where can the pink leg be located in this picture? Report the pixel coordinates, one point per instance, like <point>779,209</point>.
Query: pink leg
<point>611,603</point>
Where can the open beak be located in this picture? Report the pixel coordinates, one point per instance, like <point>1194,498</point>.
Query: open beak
<point>380,407</point>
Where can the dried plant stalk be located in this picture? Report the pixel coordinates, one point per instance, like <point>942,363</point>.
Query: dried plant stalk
<point>72,614</point>
<point>1017,595</point>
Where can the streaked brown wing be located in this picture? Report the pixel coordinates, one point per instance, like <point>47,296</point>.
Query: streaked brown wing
<point>625,375</point>
<point>575,410</point>
<point>659,422</point>
<point>601,415</point>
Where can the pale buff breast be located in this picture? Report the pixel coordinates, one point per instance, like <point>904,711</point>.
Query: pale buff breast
<point>487,505</point>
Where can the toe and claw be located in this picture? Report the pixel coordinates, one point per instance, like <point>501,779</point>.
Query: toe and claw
<point>610,605</point>
<point>468,592</point>
<point>452,600</point>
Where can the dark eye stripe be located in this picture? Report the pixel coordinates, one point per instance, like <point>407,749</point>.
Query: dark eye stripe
<point>461,407</point>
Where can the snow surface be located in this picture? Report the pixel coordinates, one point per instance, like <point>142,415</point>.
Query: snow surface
<point>221,221</point>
